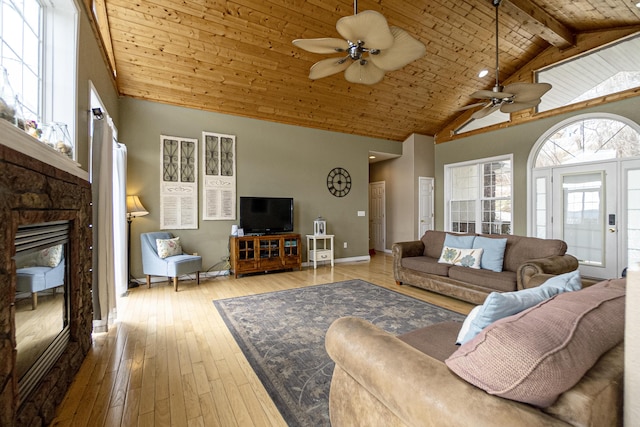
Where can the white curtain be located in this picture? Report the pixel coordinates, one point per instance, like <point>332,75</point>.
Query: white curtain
<point>119,217</point>
<point>102,187</point>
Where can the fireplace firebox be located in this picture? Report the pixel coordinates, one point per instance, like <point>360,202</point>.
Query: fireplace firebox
<point>41,303</point>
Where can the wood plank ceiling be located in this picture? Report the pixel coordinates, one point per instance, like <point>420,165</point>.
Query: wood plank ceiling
<point>236,57</point>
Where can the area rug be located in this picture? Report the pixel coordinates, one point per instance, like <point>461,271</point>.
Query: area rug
<point>282,336</point>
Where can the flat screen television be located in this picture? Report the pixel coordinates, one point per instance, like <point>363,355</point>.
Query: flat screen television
<point>266,215</point>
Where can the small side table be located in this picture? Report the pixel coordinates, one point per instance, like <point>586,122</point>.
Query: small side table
<point>315,254</point>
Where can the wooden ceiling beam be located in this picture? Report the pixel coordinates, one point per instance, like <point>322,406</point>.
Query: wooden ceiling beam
<point>552,55</point>
<point>537,21</point>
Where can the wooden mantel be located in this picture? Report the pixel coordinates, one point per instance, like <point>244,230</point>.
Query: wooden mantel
<point>18,140</point>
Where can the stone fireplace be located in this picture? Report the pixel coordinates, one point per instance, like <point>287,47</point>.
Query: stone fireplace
<point>42,187</point>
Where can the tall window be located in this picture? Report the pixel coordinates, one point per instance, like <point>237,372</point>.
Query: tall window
<point>21,44</point>
<point>480,196</point>
<point>38,48</point>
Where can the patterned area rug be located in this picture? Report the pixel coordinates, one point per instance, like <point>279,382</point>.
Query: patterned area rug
<point>282,335</point>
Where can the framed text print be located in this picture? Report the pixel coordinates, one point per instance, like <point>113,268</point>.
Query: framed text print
<point>178,183</point>
<point>219,166</point>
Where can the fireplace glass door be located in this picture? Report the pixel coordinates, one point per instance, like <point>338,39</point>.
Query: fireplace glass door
<point>41,301</point>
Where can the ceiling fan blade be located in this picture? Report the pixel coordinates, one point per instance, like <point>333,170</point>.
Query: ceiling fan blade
<point>489,94</point>
<point>468,107</point>
<point>490,108</point>
<point>327,67</point>
<point>324,45</point>
<point>405,49</point>
<point>366,73</point>
<point>517,106</point>
<point>368,26</point>
<point>526,92</point>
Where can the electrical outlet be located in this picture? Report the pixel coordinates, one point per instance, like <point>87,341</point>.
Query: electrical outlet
<point>345,245</point>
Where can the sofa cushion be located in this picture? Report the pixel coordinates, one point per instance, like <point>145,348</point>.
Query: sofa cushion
<point>433,241</point>
<point>504,304</point>
<point>505,281</point>
<point>493,255</point>
<point>463,257</point>
<point>536,355</point>
<point>426,265</point>
<point>466,325</point>
<point>462,241</point>
<point>434,340</point>
<point>49,257</point>
<point>169,247</point>
<point>520,249</point>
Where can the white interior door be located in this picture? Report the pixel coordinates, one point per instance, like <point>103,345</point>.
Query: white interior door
<point>377,229</point>
<point>585,216</point>
<point>425,205</point>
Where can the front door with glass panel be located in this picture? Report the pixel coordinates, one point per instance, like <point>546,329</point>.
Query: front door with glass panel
<point>585,216</point>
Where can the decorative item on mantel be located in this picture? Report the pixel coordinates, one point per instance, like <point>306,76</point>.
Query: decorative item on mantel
<point>8,100</point>
<point>56,136</point>
<point>319,226</point>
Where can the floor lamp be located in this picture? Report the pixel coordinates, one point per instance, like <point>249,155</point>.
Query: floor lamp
<point>134,209</point>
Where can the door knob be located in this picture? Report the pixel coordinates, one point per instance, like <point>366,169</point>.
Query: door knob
<point>612,230</point>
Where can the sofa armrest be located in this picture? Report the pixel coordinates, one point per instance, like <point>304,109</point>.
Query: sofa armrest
<point>553,265</point>
<point>403,250</point>
<point>418,389</point>
<point>407,249</point>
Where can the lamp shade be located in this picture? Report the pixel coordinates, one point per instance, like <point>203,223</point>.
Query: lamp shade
<point>135,208</point>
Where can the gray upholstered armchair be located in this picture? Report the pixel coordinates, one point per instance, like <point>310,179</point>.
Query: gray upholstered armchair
<point>38,278</point>
<point>172,266</point>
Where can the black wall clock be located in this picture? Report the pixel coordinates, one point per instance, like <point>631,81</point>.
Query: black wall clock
<point>339,182</point>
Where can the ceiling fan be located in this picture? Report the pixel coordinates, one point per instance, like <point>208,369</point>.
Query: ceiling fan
<point>386,48</point>
<point>510,98</point>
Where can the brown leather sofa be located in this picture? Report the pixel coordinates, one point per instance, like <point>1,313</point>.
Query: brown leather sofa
<point>528,262</point>
<point>383,380</point>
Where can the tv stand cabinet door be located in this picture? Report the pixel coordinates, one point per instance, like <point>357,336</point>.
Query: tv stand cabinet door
<point>292,251</point>
<point>243,255</point>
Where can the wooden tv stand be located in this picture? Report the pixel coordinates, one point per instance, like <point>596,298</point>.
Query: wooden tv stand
<point>269,252</point>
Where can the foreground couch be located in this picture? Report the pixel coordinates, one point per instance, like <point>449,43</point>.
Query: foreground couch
<point>384,380</point>
<point>527,262</point>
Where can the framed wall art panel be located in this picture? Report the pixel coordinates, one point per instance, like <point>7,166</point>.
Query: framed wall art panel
<point>219,166</point>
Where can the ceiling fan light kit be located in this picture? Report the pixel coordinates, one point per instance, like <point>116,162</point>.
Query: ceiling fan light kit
<point>508,99</point>
<point>372,48</point>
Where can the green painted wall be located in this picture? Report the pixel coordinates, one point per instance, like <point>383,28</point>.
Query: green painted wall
<point>400,176</point>
<point>516,140</point>
<point>272,160</point>
<point>91,69</point>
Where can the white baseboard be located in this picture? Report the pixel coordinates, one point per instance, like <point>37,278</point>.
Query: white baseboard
<point>155,279</point>
<point>365,258</point>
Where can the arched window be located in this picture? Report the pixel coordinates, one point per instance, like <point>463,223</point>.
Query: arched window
<point>589,139</point>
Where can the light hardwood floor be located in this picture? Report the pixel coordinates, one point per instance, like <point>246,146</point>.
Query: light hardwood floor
<point>171,361</point>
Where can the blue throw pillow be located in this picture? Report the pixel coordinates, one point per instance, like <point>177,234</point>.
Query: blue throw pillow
<point>493,255</point>
<point>499,305</point>
<point>459,241</point>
